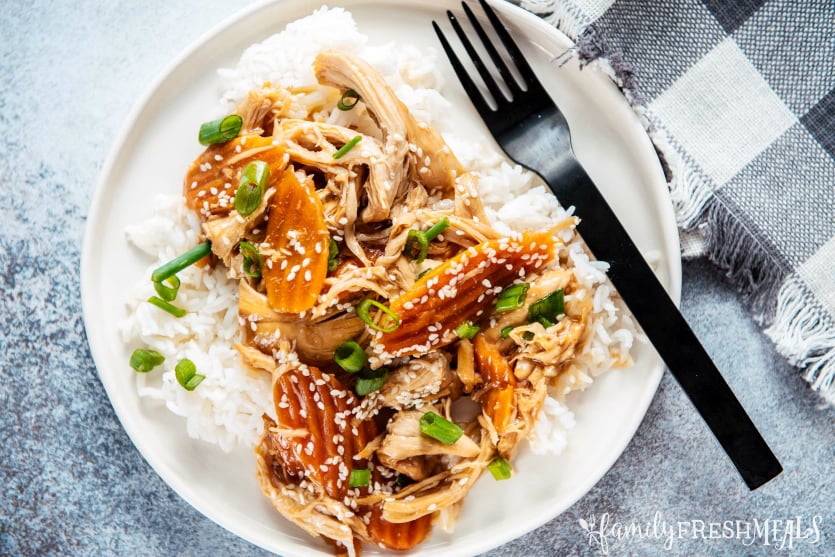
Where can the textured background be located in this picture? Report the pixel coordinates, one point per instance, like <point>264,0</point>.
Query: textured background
<point>72,483</point>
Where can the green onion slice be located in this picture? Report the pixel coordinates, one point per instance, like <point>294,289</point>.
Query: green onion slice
<point>256,172</point>
<point>437,228</point>
<point>220,131</point>
<point>507,330</point>
<point>347,147</point>
<point>423,273</point>
<point>168,293</point>
<point>247,198</point>
<point>546,310</point>
<point>365,306</point>
<point>467,330</point>
<point>438,428</point>
<point>165,306</point>
<point>179,263</point>
<point>500,469</point>
<point>252,259</point>
<point>512,297</point>
<point>348,100</point>
<point>403,481</point>
<point>144,360</point>
<point>254,179</point>
<point>417,246</point>
<point>350,356</point>
<point>333,256</point>
<point>371,380</point>
<point>186,373</point>
<point>528,335</point>
<point>417,241</point>
<point>359,477</point>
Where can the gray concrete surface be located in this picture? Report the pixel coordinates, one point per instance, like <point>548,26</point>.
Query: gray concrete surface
<point>72,483</point>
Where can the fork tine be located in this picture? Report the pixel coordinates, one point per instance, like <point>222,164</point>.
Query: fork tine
<point>466,81</point>
<point>491,50</point>
<point>512,49</point>
<point>488,79</point>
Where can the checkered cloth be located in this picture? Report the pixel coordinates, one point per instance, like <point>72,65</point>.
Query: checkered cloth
<point>739,96</point>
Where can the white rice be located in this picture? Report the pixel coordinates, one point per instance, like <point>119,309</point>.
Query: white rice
<point>226,408</point>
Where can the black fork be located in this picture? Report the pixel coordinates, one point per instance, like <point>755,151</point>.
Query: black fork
<point>533,132</point>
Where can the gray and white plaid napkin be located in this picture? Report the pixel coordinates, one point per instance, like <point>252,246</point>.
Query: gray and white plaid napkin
<point>739,98</point>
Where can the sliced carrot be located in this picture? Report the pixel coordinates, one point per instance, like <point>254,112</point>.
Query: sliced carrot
<point>461,289</point>
<point>213,178</point>
<point>499,405</point>
<point>498,401</point>
<point>298,240</point>
<point>314,410</point>
<point>398,535</point>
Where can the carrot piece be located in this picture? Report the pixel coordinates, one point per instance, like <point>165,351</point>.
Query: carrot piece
<point>298,240</point>
<point>461,289</point>
<point>499,405</point>
<point>213,178</point>
<point>398,535</point>
<point>498,401</point>
<point>314,410</point>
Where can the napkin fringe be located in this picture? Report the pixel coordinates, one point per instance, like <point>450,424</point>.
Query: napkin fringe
<point>729,246</point>
<point>802,334</point>
<point>690,192</point>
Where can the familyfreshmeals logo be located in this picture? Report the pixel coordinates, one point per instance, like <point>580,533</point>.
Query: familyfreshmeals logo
<point>780,534</point>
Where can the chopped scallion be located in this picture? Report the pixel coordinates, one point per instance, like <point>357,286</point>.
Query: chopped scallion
<point>220,131</point>
<point>546,310</point>
<point>144,360</point>
<point>417,246</point>
<point>254,179</point>
<point>179,263</point>
<point>256,172</point>
<point>423,273</point>
<point>333,256</point>
<point>371,380</point>
<point>417,241</point>
<point>500,469</point>
<point>528,335</point>
<point>247,199</point>
<point>437,228</point>
<point>512,297</point>
<point>467,330</point>
<point>403,481</point>
<point>166,292</point>
<point>438,428</point>
<point>348,100</point>
<point>365,306</point>
<point>506,331</point>
<point>186,373</point>
<point>359,477</point>
<point>350,356</point>
<point>347,147</point>
<point>165,306</point>
<point>544,321</point>
<point>252,259</point>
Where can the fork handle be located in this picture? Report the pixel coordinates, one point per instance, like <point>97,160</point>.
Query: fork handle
<point>664,325</point>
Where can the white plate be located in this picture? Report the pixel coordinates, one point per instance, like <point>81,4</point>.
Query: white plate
<point>151,156</point>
